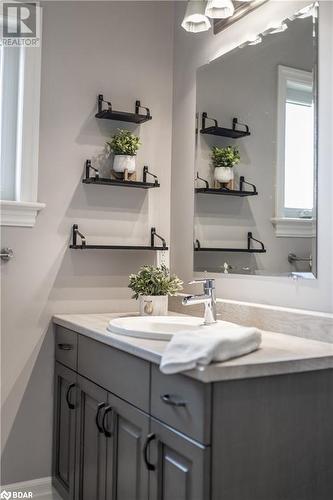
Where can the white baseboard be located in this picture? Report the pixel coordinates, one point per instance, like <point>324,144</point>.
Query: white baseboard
<point>38,488</point>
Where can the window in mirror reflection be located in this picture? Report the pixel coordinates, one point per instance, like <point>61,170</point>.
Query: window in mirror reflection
<point>295,143</point>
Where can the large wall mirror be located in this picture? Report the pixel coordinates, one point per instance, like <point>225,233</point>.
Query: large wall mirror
<point>255,167</point>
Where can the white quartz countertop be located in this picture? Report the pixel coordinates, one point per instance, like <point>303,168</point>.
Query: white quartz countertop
<point>279,353</point>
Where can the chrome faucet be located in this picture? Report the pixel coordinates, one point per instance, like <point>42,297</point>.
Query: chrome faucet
<point>208,298</point>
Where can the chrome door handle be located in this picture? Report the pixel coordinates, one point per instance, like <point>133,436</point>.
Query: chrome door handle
<point>66,347</point>
<point>6,254</point>
<point>149,439</point>
<point>169,400</point>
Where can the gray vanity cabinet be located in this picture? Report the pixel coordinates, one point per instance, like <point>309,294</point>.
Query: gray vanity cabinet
<point>92,403</point>
<point>179,466</point>
<point>64,430</point>
<point>125,431</point>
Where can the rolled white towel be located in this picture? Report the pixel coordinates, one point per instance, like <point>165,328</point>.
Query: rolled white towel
<point>186,350</point>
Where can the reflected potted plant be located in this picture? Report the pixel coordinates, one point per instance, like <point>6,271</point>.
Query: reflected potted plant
<point>152,286</point>
<point>124,145</point>
<point>223,161</point>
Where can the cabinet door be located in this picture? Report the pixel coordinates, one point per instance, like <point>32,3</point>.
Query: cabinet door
<point>90,442</point>
<point>127,475</point>
<point>64,430</point>
<point>179,466</point>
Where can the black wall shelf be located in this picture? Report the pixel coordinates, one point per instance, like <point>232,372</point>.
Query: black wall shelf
<point>225,191</point>
<point>199,248</point>
<point>123,116</point>
<point>114,182</point>
<point>144,184</point>
<point>84,246</point>
<point>232,133</point>
<point>229,192</point>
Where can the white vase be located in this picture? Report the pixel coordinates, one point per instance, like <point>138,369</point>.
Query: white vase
<point>153,305</point>
<point>124,162</point>
<point>223,174</point>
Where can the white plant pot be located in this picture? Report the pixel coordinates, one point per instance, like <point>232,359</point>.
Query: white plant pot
<point>223,174</point>
<point>153,305</point>
<point>124,162</point>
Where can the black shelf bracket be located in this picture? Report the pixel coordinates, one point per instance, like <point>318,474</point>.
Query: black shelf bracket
<point>236,123</point>
<point>138,107</point>
<point>75,234</point>
<point>250,239</point>
<point>153,235</point>
<point>198,178</point>
<point>242,181</point>
<point>100,103</point>
<point>206,117</point>
<point>197,244</point>
<point>146,172</point>
<point>90,167</point>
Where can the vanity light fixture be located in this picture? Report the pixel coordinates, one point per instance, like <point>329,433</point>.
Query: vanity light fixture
<point>219,9</point>
<point>195,19</point>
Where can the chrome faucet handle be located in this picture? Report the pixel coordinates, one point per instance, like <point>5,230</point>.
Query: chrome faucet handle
<point>208,298</point>
<point>207,282</point>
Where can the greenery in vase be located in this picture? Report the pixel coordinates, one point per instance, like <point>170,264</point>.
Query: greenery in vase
<point>151,280</point>
<point>224,157</point>
<point>124,143</point>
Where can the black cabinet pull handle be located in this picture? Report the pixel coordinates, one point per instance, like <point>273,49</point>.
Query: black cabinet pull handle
<point>99,408</point>
<point>149,439</point>
<point>66,347</point>
<point>71,406</point>
<point>107,410</point>
<point>169,400</point>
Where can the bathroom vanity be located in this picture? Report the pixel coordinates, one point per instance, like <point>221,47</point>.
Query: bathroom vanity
<point>253,428</point>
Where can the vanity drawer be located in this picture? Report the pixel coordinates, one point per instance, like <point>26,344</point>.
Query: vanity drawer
<point>122,374</point>
<point>66,347</point>
<point>182,403</point>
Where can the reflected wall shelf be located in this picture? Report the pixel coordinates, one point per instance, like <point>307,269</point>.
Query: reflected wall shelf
<point>144,184</point>
<point>199,248</point>
<point>110,114</point>
<point>232,133</point>
<point>225,191</point>
<point>84,246</point>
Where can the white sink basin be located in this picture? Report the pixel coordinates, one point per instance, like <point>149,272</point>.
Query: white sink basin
<point>155,327</point>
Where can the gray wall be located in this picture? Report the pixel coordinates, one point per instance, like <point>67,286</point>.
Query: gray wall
<point>197,51</point>
<point>123,49</point>
<point>244,84</point>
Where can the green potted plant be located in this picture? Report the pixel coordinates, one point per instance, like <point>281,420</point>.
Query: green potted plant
<point>152,286</point>
<point>124,145</point>
<point>223,161</point>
